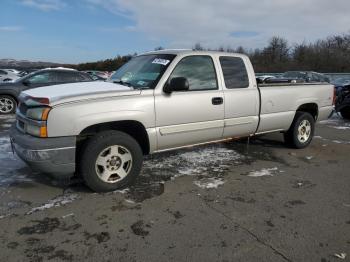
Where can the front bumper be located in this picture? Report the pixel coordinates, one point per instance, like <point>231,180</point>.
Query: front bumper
<point>55,156</point>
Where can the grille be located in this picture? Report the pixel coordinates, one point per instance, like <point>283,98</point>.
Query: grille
<point>23,108</point>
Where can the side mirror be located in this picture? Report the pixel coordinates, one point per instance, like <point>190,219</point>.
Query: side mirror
<point>176,84</point>
<point>26,82</point>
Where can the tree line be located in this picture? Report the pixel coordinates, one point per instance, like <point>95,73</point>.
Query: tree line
<point>331,55</point>
<point>104,65</point>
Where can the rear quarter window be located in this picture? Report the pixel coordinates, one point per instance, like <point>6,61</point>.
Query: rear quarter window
<point>234,71</point>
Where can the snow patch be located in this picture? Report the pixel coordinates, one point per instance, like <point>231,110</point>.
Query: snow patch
<point>7,117</point>
<point>55,202</point>
<point>209,183</point>
<point>264,172</point>
<point>122,191</point>
<point>341,127</point>
<point>336,122</point>
<point>6,125</point>
<point>333,141</point>
<point>202,161</point>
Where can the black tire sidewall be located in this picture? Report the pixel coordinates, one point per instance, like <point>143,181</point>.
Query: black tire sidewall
<point>300,116</point>
<point>14,103</point>
<point>345,113</point>
<point>95,146</point>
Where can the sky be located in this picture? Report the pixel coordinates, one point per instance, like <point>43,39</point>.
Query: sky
<point>74,31</point>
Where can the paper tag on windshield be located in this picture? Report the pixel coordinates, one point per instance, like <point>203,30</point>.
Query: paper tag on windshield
<point>160,61</point>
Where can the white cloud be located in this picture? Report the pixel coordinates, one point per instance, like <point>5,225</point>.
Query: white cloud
<point>45,5</point>
<point>10,28</point>
<point>232,22</point>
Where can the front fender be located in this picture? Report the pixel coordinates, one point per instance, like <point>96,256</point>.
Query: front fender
<point>71,119</point>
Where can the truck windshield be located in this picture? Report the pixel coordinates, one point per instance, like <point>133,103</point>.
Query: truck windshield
<point>142,71</point>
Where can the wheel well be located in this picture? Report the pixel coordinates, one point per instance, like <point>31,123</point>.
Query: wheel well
<point>130,127</point>
<point>310,108</point>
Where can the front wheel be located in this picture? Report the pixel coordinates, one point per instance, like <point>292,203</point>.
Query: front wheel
<point>7,104</point>
<point>111,160</point>
<point>301,131</point>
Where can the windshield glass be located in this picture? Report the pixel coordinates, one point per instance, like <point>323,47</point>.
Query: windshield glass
<point>25,76</point>
<point>142,71</point>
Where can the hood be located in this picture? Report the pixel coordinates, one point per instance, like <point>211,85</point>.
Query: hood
<point>64,93</point>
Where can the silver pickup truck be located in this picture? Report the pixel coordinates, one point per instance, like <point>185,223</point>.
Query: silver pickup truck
<point>158,101</point>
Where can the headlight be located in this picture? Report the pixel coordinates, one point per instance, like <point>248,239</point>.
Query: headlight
<point>38,113</point>
<point>39,131</point>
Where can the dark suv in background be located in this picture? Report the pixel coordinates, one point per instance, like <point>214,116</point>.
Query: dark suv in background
<point>9,91</point>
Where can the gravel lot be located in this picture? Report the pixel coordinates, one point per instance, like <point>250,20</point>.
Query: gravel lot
<point>221,202</point>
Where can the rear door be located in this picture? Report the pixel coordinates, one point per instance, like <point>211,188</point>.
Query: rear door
<point>67,77</point>
<point>193,116</point>
<point>241,97</point>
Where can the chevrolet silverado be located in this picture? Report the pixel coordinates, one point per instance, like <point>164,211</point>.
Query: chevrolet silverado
<point>158,101</point>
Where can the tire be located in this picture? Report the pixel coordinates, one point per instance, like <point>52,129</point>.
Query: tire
<point>301,131</point>
<point>8,105</point>
<point>110,160</point>
<point>345,113</point>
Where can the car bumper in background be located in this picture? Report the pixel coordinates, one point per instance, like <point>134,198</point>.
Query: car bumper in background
<point>55,156</point>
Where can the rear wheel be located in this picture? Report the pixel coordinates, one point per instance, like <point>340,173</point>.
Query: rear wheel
<point>345,113</point>
<point>301,131</point>
<point>111,160</point>
<point>7,104</point>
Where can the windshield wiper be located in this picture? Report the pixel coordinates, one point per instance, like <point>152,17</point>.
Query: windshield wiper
<point>127,84</point>
<point>122,83</point>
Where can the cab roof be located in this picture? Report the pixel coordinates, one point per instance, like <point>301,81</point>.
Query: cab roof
<point>190,52</point>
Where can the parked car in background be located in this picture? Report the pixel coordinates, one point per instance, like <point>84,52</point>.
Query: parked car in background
<point>7,76</point>
<point>263,78</point>
<point>15,71</point>
<point>97,78</point>
<point>98,74</point>
<point>10,91</point>
<point>158,101</point>
<point>23,73</point>
<point>307,76</point>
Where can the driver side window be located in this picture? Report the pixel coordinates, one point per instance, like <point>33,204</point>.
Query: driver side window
<point>198,70</point>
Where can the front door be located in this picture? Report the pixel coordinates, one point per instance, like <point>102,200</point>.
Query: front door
<point>41,79</point>
<point>193,116</point>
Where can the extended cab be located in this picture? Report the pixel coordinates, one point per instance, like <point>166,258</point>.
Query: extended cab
<point>158,101</point>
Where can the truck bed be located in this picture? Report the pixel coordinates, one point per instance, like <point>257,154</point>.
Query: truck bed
<point>279,101</point>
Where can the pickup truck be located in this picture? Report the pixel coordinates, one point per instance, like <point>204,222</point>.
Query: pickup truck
<point>158,101</point>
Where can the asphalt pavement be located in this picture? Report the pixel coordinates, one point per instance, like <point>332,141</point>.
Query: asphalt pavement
<point>232,201</point>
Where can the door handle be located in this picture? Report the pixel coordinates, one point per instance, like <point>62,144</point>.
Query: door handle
<point>217,100</point>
